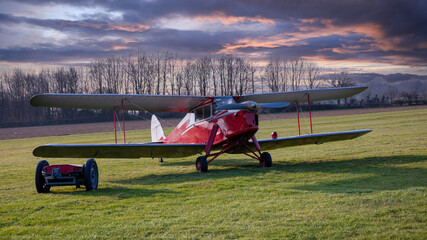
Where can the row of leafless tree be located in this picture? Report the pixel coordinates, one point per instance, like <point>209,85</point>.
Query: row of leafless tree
<point>296,74</point>
<point>162,73</point>
<point>167,74</point>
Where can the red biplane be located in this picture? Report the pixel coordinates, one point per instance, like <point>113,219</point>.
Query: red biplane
<point>211,127</point>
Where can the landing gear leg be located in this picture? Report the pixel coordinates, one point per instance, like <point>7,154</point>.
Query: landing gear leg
<point>264,158</point>
<point>201,162</point>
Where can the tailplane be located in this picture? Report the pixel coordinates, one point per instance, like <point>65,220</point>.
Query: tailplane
<point>157,134</point>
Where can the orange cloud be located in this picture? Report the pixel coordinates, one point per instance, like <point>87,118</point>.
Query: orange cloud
<point>115,48</point>
<point>370,30</point>
<point>129,28</point>
<point>422,45</point>
<point>122,45</point>
<point>274,41</point>
<point>227,20</point>
<point>106,27</point>
<point>80,24</point>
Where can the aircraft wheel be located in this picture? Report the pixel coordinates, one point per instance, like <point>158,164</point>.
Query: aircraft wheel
<point>265,159</point>
<point>201,164</point>
<point>41,185</point>
<point>91,174</point>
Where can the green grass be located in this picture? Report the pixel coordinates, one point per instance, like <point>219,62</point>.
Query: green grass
<point>373,187</point>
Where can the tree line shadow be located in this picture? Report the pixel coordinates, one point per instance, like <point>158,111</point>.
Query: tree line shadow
<point>367,174</point>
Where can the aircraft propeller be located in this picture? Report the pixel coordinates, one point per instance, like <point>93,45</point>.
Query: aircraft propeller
<point>252,106</point>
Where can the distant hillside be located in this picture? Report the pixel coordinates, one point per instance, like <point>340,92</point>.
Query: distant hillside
<point>393,85</point>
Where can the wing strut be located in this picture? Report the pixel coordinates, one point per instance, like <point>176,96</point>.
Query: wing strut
<point>299,129</point>
<point>309,113</point>
<point>123,118</point>
<point>115,128</point>
<point>115,125</point>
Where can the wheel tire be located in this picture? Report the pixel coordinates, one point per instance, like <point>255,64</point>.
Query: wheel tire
<point>201,164</point>
<point>40,180</point>
<point>91,174</point>
<point>265,159</point>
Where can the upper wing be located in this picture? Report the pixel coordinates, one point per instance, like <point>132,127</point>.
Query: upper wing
<point>151,103</point>
<point>161,103</point>
<point>302,96</point>
<point>269,144</point>
<point>118,150</point>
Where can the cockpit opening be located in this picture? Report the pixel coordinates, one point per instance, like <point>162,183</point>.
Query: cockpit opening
<point>203,112</point>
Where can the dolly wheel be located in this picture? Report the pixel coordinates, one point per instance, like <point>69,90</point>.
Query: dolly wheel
<point>41,185</point>
<point>91,174</point>
<point>201,164</point>
<point>265,159</point>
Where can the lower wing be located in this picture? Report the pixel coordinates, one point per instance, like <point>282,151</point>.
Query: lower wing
<point>269,144</point>
<point>118,150</point>
<point>177,150</point>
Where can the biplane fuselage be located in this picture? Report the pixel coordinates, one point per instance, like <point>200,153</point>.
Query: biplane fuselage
<point>231,124</point>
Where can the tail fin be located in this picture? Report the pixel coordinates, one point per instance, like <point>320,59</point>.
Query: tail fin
<point>157,134</point>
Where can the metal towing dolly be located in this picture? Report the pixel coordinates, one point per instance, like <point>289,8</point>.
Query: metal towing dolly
<point>66,174</point>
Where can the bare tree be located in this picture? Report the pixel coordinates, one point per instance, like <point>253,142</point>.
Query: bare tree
<point>312,75</point>
<point>242,74</point>
<point>221,71</point>
<point>158,69</point>
<point>296,73</point>
<point>341,79</point>
<point>203,69</point>
<point>252,71</point>
<point>214,76</point>
<point>3,98</point>
<point>229,61</point>
<point>95,72</point>
<point>271,73</point>
<point>189,76</point>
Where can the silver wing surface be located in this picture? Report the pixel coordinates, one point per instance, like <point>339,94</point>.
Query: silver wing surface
<point>270,144</point>
<point>148,150</point>
<point>151,103</point>
<point>302,96</point>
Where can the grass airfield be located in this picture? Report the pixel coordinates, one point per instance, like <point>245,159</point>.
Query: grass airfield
<point>373,187</point>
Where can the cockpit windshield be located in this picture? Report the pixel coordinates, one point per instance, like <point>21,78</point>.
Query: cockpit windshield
<point>209,109</point>
<point>203,112</point>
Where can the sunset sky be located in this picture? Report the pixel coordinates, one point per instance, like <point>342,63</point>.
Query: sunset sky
<point>381,36</point>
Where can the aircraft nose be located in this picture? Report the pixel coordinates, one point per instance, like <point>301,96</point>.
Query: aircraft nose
<point>252,106</point>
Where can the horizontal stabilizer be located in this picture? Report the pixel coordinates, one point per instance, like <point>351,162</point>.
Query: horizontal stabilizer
<point>270,144</point>
<point>147,150</point>
<point>302,96</point>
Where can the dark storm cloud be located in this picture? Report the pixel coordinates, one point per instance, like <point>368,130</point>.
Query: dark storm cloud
<point>50,54</point>
<point>398,17</point>
<point>372,30</point>
<point>194,43</point>
<point>88,26</point>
